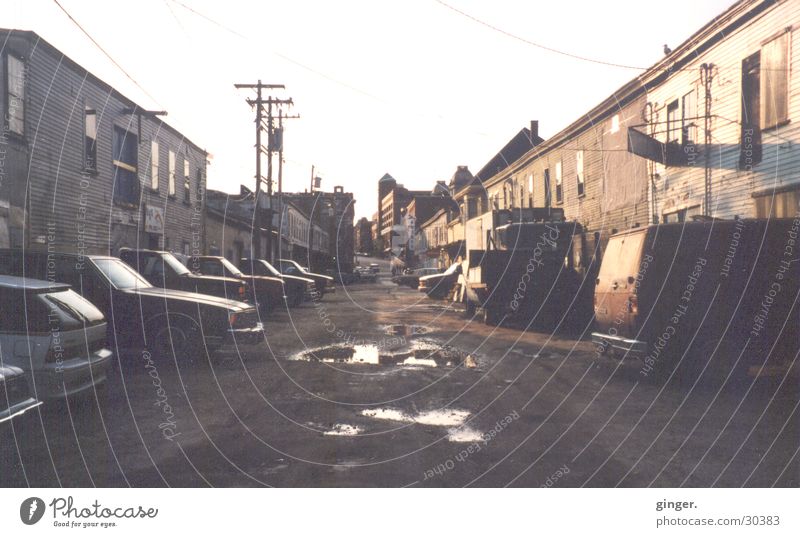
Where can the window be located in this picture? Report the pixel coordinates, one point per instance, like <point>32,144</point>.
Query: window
<point>579,171</point>
<point>547,192</point>
<point>15,86</point>
<point>171,176</point>
<point>199,186</point>
<point>187,182</point>
<point>778,204</point>
<point>530,183</point>
<point>673,122</point>
<point>689,118</point>
<point>89,139</point>
<point>682,215</point>
<point>615,123</point>
<point>154,165</point>
<point>775,82</point>
<point>559,189</point>
<point>750,147</point>
<point>124,158</point>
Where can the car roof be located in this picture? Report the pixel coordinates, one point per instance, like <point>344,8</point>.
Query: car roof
<point>30,284</point>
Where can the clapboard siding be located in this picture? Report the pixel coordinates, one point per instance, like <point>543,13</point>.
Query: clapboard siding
<point>731,189</point>
<point>72,209</point>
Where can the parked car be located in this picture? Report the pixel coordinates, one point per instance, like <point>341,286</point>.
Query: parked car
<point>58,340</point>
<point>410,277</point>
<point>140,315</point>
<point>439,285</point>
<point>163,269</point>
<point>15,395</point>
<point>717,295</point>
<point>323,284</point>
<point>265,291</point>
<point>344,278</point>
<point>296,288</point>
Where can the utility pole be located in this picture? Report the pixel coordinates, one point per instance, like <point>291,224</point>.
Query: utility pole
<point>279,141</point>
<point>259,103</point>
<point>706,77</point>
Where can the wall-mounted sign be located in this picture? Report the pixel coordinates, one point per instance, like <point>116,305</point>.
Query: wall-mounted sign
<point>153,219</point>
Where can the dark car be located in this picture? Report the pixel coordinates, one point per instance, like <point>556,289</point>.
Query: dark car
<point>439,285</point>
<point>323,284</point>
<point>266,291</point>
<point>715,298</point>
<point>296,288</point>
<point>163,269</point>
<point>139,314</point>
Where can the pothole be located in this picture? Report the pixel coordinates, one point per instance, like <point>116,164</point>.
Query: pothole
<point>415,353</point>
<point>405,329</point>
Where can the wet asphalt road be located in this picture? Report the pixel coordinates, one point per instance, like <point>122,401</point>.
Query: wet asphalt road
<point>501,407</point>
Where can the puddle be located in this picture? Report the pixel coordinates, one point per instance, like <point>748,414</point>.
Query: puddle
<point>416,353</point>
<point>343,429</point>
<point>464,434</point>
<point>442,418</point>
<point>405,329</point>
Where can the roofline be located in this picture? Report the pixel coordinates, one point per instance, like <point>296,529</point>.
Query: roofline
<point>30,34</point>
<point>707,36</point>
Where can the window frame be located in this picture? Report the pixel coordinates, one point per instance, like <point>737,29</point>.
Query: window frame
<point>90,168</point>
<point>767,86</point>
<point>559,182</point>
<point>171,163</point>
<point>125,166</point>
<point>187,182</point>
<point>154,165</point>
<point>580,175</point>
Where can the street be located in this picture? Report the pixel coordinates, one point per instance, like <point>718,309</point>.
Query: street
<point>378,385</point>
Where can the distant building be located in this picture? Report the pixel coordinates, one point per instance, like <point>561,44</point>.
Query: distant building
<point>363,235</point>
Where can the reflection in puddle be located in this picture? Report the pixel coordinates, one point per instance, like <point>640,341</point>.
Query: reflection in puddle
<point>343,429</point>
<point>417,353</point>
<point>464,434</point>
<point>442,418</point>
<point>405,329</point>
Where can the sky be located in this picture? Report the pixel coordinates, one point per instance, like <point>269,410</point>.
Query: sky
<point>409,88</point>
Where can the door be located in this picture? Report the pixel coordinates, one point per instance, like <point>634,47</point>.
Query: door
<point>615,314</point>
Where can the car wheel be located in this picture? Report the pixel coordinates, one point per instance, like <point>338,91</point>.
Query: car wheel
<point>178,336</point>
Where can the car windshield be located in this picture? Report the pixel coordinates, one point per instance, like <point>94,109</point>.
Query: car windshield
<point>119,274</point>
<point>172,262</point>
<point>70,307</point>
<point>231,268</point>
<point>272,270</point>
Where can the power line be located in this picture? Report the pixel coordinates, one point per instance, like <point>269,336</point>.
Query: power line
<point>92,39</point>
<point>539,45</point>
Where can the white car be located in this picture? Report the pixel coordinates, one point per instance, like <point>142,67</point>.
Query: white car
<point>54,335</point>
<point>15,398</point>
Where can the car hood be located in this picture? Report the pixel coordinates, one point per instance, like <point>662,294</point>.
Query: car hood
<point>289,278</point>
<point>187,296</point>
<point>203,277</point>
<point>9,372</point>
<point>315,276</point>
<point>434,277</point>
<point>263,278</point>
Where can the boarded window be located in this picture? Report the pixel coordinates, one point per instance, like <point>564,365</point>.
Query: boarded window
<point>124,158</point>
<point>750,145</point>
<point>154,165</point>
<point>559,188</point>
<point>775,81</point>
<point>89,139</point>
<point>579,171</point>
<point>171,176</point>
<point>547,192</point>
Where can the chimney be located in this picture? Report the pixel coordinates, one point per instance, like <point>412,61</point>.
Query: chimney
<point>534,129</point>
